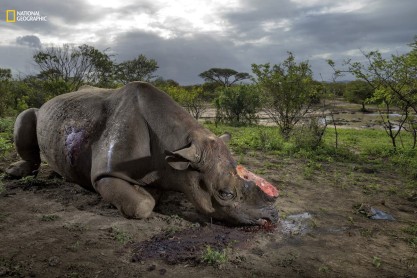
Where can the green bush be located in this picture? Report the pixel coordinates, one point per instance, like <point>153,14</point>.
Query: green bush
<point>309,135</point>
<point>237,105</point>
<point>214,257</point>
<point>6,135</point>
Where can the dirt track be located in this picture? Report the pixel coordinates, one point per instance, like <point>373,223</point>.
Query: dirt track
<point>50,228</point>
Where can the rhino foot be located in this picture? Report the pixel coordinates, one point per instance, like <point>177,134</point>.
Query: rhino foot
<point>131,201</point>
<point>22,169</point>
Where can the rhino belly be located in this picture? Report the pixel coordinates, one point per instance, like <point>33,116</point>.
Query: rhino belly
<point>65,137</point>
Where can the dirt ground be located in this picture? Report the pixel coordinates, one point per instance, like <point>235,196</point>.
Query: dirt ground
<point>50,228</point>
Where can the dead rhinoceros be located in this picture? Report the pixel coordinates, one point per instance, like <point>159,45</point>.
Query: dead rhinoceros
<point>121,142</point>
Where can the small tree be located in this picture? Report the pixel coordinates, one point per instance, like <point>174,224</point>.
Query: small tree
<point>191,99</point>
<point>223,77</point>
<point>238,105</point>
<point>287,90</point>
<point>138,69</point>
<point>393,126</point>
<point>74,65</point>
<point>394,82</point>
<point>358,91</point>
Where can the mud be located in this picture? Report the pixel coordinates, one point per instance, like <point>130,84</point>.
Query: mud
<point>52,228</point>
<point>187,246</point>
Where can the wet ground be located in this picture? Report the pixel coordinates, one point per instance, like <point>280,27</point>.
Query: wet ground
<point>345,115</point>
<point>51,228</point>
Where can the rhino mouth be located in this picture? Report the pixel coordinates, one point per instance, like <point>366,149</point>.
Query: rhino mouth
<point>263,221</point>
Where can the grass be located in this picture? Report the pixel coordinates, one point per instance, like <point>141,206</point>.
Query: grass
<point>376,261</point>
<point>412,231</point>
<point>214,257</point>
<point>356,146</point>
<point>120,236</point>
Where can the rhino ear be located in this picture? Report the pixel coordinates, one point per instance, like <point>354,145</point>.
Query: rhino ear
<point>226,137</point>
<point>182,158</point>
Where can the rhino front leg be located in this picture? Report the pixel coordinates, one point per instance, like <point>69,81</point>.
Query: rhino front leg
<point>131,201</point>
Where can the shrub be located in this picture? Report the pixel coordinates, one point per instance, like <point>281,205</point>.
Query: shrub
<point>310,134</point>
<point>237,105</point>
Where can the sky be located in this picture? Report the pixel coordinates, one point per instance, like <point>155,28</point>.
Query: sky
<point>187,37</point>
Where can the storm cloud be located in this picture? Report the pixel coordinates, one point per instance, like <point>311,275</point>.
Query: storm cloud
<point>29,40</point>
<point>189,37</point>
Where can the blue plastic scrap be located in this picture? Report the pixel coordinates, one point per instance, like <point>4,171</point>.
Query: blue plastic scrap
<point>377,214</point>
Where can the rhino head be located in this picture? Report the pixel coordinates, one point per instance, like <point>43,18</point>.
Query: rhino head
<point>220,188</point>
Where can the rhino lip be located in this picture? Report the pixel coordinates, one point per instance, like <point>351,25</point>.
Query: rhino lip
<point>272,217</point>
<point>262,221</point>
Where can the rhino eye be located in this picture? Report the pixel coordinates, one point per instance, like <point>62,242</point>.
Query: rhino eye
<point>226,195</point>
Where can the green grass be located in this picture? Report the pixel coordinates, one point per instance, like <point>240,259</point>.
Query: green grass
<point>358,146</point>
<point>120,236</point>
<point>359,141</point>
<point>376,261</point>
<point>214,257</point>
<point>412,231</point>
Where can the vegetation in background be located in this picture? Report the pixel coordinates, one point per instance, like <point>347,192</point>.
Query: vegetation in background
<point>138,69</point>
<point>237,105</point>
<point>223,77</point>
<point>6,135</point>
<point>192,99</point>
<point>287,90</point>
<point>358,91</point>
<point>358,146</point>
<point>74,65</point>
<point>5,91</point>
<point>394,84</point>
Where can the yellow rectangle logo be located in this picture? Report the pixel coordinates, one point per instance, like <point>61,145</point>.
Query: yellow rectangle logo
<point>10,15</point>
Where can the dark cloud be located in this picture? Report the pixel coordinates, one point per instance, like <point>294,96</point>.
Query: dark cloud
<point>256,32</point>
<point>30,40</point>
<point>181,59</point>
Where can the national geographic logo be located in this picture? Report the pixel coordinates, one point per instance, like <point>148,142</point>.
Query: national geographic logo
<point>22,16</point>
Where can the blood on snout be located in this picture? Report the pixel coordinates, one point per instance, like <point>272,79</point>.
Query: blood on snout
<point>264,185</point>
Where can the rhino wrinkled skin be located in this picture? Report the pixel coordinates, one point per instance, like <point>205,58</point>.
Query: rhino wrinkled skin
<point>122,142</point>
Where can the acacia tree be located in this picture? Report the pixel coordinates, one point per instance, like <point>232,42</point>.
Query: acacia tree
<point>74,65</point>
<point>287,90</point>
<point>138,69</point>
<point>223,76</point>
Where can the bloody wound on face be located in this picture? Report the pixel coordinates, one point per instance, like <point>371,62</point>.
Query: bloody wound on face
<point>265,186</point>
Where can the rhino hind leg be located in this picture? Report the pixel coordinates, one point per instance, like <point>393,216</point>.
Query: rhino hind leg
<point>131,201</point>
<point>26,143</point>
